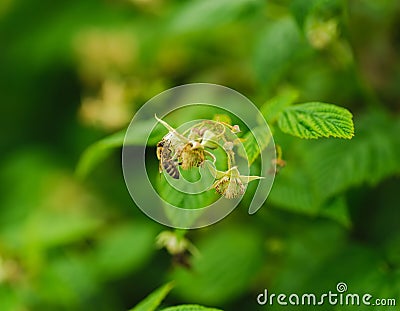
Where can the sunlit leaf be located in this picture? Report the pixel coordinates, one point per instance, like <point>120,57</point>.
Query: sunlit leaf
<point>315,120</point>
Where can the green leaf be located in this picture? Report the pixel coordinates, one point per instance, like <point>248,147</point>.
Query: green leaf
<point>190,308</point>
<point>318,172</point>
<point>315,120</point>
<point>151,302</point>
<point>183,198</point>
<point>337,210</point>
<point>293,191</point>
<point>251,148</point>
<point>371,156</point>
<point>97,152</point>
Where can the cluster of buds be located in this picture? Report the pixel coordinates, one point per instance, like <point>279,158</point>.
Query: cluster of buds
<point>189,149</point>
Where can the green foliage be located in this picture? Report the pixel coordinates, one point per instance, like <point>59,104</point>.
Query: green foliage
<point>324,9</point>
<point>314,120</point>
<point>133,244</point>
<point>252,148</point>
<point>274,56</point>
<point>191,17</point>
<point>222,268</point>
<point>81,70</point>
<point>151,302</point>
<point>327,168</point>
<point>370,157</point>
<point>274,106</point>
<point>98,151</point>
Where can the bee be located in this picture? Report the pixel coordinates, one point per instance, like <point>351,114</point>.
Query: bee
<point>166,156</point>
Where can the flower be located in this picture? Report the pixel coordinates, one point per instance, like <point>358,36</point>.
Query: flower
<point>175,243</point>
<point>231,184</point>
<point>191,155</point>
<point>230,187</point>
<point>172,242</point>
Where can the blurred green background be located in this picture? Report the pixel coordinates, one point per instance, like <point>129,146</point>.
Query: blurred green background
<point>73,72</point>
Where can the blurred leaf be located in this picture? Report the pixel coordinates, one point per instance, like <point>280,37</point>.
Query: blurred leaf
<point>190,308</point>
<point>271,109</point>
<point>251,148</point>
<point>187,195</point>
<point>273,55</point>
<point>371,156</point>
<point>227,262</point>
<point>75,283</point>
<point>314,120</point>
<point>309,251</point>
<point>9,299</point>
<point>98,151</point>
<point>293,190</point>
<point>202,14</point>
<point>54,228</point>
<point>337,210</point>
<point>151,302</point>
<point>123,249</point>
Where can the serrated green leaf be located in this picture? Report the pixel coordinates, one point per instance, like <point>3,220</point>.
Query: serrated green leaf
<point>320,171</point>
<point>271,109</point>
<point>190,308</point>
<point>151,302</point>
<point>315,120</point>
<point>251,148</point>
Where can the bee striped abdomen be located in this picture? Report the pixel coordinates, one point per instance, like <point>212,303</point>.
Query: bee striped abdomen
<point>171,168</point>
<point>165,155</point>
